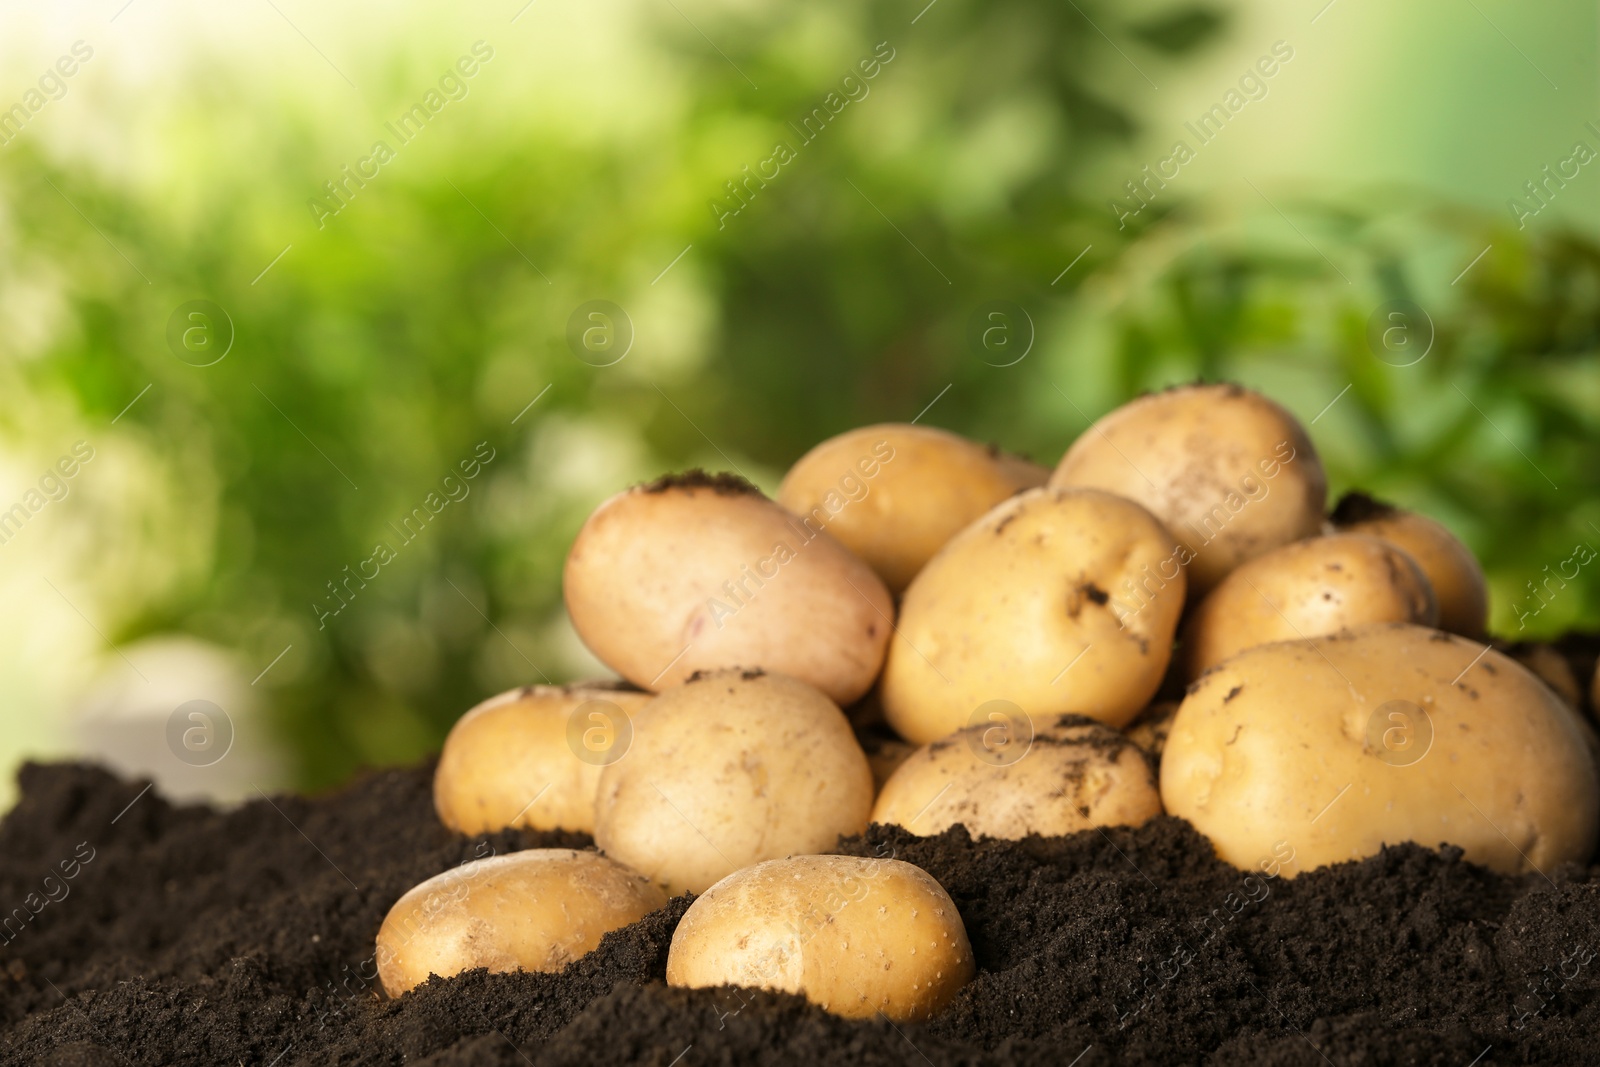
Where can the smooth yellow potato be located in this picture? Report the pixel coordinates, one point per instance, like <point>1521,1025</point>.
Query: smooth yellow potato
<point>895,493</point>
<point>1452,569</point>
<point>727,770</point>
<point>1058,600</point>
<point>1149,731</point>
<point>1551,668</point>
<point>527,911</point>
<point>853,936</point>
<point>1230,473</point>
<point>532,757</point>
<point>697,572</point>
<point>1074,774</point>
<point>1306,589</point>
<point>1333,747</point>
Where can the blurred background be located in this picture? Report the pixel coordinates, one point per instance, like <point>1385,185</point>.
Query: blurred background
<point>323,327</point>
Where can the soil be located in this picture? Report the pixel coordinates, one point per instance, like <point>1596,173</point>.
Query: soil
<point>162,934</point>
<point>723,483</point>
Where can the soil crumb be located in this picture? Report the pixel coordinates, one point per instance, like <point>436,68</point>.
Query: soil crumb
<point>724,482</point>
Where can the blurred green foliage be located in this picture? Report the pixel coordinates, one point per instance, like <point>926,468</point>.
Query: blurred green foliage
<point>418,324</point>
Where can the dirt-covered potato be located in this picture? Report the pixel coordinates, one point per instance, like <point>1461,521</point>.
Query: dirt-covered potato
<point>1452,569</point>
<point>1149,731</point>
<point>1317,586</point>
<point>1058,600</point>
<point>853,936</point>
<point>532,757</point>
<point>1333,747</point>
<point>527,911</point>
<point>699,572</point>
<point>1230,473</point>
<point>894,494</point>
<point>729,769</point>
<point>1072,775</point>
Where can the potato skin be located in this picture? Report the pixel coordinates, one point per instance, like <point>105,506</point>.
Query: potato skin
<point>698,573</point>
<point>1452,569</point>
<point>895,493</point>
<point>853,936</point>
<point>509,761</point>
<point>1076,774</point>
<point>727,770</point>
<point>1306,589</point>
<point>1333,747</point>
<point>526,911</point>
<point>1230,473</point>
<point>1008,607</point>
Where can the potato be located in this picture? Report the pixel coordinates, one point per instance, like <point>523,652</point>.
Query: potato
<point>1551,668</point>
<point>1058,600</point>
<point>695,572</point>
<point>532,757</point>
<point>527,911</point>
<point>727,770</point>
<point>884,755</point>
<point>894,494</point>
<point>853,936</point>
<point>1324,750</point>
<point>1306,589</point>
<point>1000,782</point>
<point>1230,473</point>
<point>1149,731</point>
<point>1452,569</point>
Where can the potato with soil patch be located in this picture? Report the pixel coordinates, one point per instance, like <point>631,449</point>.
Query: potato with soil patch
<point>1149,731</point>
<point>1056,601</point>
<point>532,757</point>
<point>1452,569</point>
<point>895,493</point>
<point>528,911</point>
<point>729,769</point>
<point>1307,589</point>
<point>999,782</point>
<point>854,936</point>
<point>699,572</point>
<point>1230,473</point>
<point>1338,745</point>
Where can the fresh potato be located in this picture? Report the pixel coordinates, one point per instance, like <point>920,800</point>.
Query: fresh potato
<point>1058,600</point>
<point>727,770</point>
<point>527,911</point>
<point>532,757</point>
<point>999,782</point>
<point>1149,731</point>
<point>853,936</point>
<point>894,494</point>
<point>1306,589</point>
<point>1551,668</point>
<point>1325,750</point>
<point>1230,473</point>
<point>695,572</point>
<point>1452,569</point>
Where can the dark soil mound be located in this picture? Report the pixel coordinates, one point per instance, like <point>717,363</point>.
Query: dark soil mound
<point>153,934</point>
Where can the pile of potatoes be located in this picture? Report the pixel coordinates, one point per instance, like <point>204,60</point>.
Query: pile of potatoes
<point>926,632</point>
